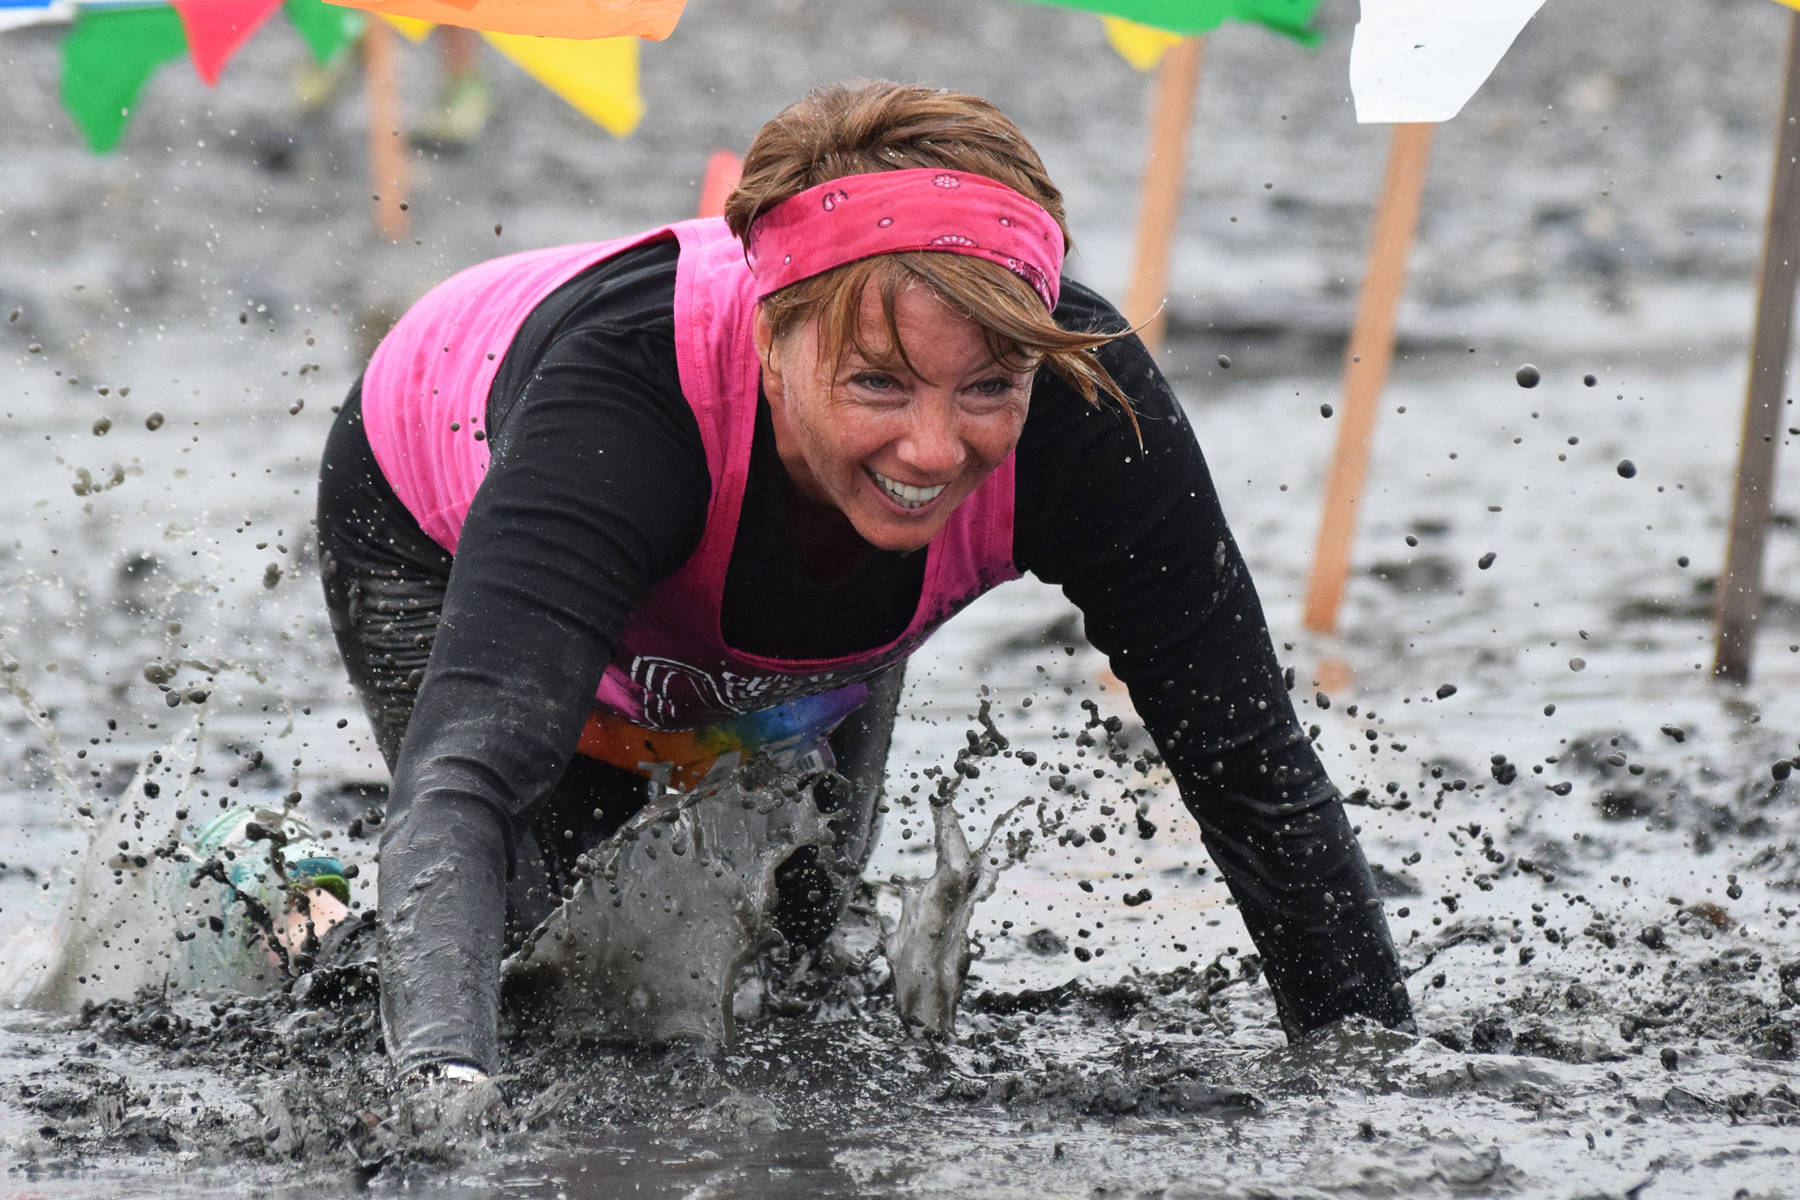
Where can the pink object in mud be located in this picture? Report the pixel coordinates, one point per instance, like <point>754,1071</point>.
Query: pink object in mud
<point>887,212</point>
<point>424,408</point>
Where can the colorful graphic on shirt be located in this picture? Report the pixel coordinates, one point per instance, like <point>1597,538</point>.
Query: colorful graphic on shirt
<point>796,729</point>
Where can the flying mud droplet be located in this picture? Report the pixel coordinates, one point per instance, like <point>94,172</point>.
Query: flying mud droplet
<point>1589,380</point>
<point>153,422</point>
<point>1528,376</point>
<point>102,427</point>
<point>1225,362</point>
<point>271,575</point>
<point>1486,560</point>
<point>1627,468</point>
<point>1325,411</point>
<point>1446,690</point>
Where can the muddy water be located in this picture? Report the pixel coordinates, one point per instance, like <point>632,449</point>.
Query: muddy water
<point>1591,854</point>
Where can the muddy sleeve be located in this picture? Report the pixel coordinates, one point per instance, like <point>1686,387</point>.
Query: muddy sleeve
<point>1136,537</point>
<point>597,488</point>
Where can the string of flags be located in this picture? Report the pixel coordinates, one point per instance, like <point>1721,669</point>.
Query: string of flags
<point>1142,31</point>
<point>114,47</point>
<point>560,19</point>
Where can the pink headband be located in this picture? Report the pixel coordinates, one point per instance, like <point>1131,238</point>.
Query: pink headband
<point>886,212</point>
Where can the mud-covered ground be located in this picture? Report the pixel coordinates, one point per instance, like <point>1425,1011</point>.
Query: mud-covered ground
<point>1591,851</point>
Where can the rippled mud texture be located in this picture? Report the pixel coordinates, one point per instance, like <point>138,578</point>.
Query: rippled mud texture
<point>1574,1025</point>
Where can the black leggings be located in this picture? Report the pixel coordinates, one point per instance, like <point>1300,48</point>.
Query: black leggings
<point>385,581</point>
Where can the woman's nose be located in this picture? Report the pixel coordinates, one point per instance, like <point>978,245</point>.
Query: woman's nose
<point>933,444</point>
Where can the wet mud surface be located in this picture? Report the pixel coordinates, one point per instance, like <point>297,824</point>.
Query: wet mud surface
<point>1590,853</point>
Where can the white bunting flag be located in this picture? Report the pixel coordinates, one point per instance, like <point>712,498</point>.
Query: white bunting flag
<point>1421,60</point>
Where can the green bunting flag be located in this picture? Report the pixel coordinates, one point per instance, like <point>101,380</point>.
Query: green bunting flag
<point>325,28</point>
<point>107,58</point>
<point>111,53</point>
<point>1291,18</point>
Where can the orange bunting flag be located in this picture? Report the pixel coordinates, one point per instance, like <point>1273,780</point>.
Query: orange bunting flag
<point>217,28</point>
<point>653,19</point>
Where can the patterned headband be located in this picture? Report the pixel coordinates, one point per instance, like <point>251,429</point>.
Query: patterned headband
<point>887,212</point>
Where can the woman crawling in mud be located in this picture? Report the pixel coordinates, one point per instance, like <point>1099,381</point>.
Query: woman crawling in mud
<point>599,515</point>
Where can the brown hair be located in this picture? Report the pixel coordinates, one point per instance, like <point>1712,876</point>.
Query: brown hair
<point>855,128</point>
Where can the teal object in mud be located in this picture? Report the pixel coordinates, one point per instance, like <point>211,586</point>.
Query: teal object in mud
<point>262,857</point>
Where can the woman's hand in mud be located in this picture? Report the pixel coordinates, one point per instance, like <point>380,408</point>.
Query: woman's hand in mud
<point>443,1110</point>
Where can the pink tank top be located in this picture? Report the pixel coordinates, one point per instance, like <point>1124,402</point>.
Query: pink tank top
<point>424,407</point>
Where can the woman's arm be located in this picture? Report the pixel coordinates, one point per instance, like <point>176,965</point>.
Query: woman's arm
<point>597,489</point>
<point>1138,541</point>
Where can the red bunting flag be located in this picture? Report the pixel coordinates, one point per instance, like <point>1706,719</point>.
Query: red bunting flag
<point>217,28</point>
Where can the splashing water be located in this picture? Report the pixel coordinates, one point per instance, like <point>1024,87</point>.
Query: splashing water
<point>147,908</point>
<point>928,949</point>
<point>670,910</point>
<point>115,932</point>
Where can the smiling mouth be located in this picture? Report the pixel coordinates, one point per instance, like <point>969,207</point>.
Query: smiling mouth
<point>904,494</point>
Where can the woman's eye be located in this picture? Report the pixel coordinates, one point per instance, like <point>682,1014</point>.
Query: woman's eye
<point>993,387</point>
<point>875,381</point>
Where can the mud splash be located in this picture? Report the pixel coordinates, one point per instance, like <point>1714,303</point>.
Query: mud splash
<point>669,912</point>
<point>148,907</point>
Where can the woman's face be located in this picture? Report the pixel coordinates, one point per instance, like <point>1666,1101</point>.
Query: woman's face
<point>894,449</point>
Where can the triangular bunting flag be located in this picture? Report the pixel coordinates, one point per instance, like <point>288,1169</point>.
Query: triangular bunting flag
<point>599,78</point>
<point>325,28</point>
<point>107,58</point>
<point>1290,18</point>
<point>653,19</point>
<point>216,28</point>
<point>1421,60</point>
<point>1143,46</point>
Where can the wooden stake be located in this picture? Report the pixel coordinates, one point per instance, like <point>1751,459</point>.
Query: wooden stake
<point>387,133</point>
<point>1738,605</point>
<point>1365,368</point>
<point>1165,174</point>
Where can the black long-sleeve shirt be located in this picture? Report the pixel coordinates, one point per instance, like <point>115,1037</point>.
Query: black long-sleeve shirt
<point>598,488</point>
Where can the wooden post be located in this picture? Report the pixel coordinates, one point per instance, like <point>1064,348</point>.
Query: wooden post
<point>387,132</point>
<point>1366,362</point>
<point>1165,173</point>
<point>1738,604</point>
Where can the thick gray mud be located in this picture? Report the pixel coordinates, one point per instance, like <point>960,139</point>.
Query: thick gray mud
<point>1590,852</point>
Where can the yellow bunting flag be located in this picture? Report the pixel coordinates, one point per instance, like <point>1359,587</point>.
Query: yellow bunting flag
<point>414,29</point>
<point>598,78</point>
<point>653,19</point>
<point>1143,46</point>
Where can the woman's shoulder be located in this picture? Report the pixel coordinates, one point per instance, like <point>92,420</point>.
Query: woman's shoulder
<point>631,291</point>
<point>1079,306</point>
<point>1055,402</point>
